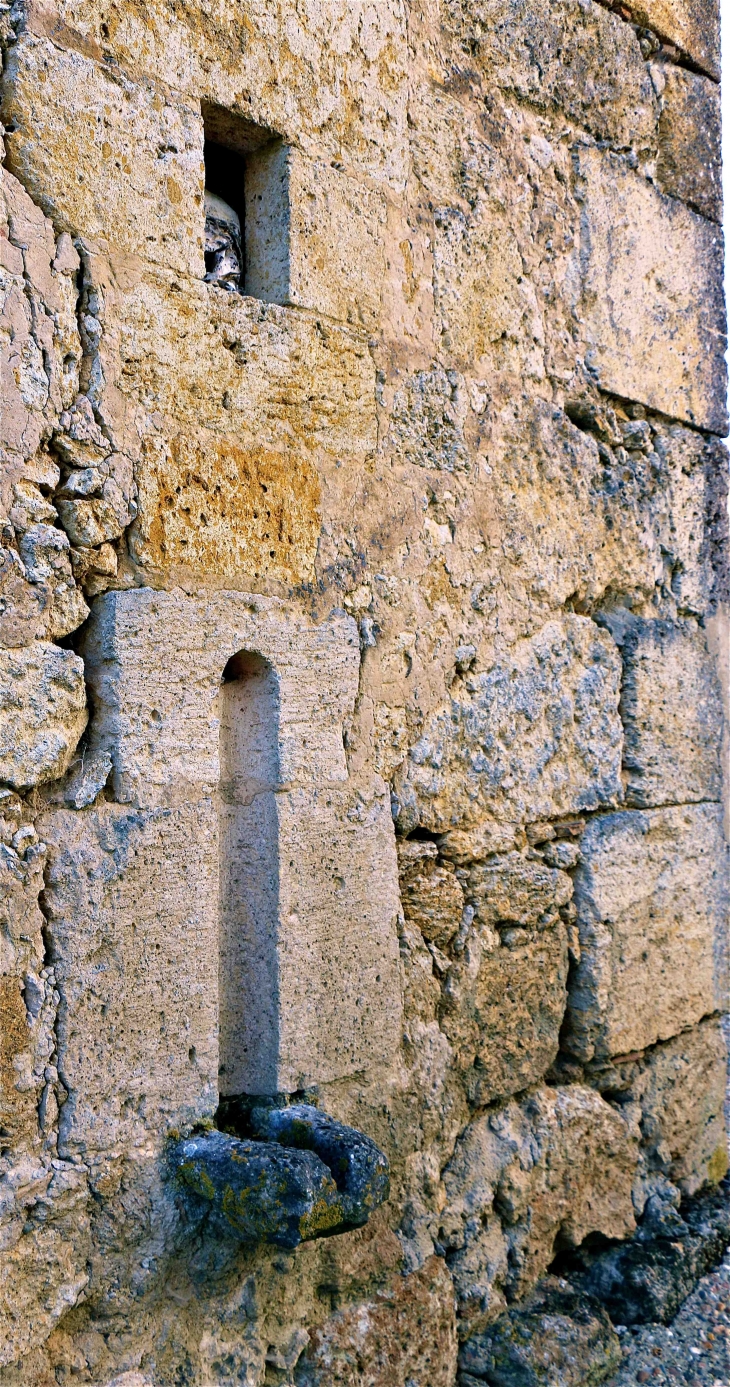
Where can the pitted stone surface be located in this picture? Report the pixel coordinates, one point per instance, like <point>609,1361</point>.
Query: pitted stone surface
<point>542,728</point>
<point>42,712</point>
<point>308,977</point>
<point>426,525</point>
<point>651,896</point>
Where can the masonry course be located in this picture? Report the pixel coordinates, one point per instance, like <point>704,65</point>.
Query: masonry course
<point>361,680</point>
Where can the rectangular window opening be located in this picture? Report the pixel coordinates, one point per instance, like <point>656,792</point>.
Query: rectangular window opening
<point>229,141</point>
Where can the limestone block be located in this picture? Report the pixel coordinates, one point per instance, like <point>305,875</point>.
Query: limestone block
<point>504,1003</point>
<point>41,347</point>
<point>131,912</point>
<point>555,1338</point>
<point>22,604</point>
<point>681,1089</point>
<point>483,298</point>
<point>689,161</point>
<point>314,236</point>
<point>230,409</point>
<point>427,420</point>
<point>652,295</point>
<point>686,509</point>
<point>206,502</point>
<point>692,25</point>
<point>231,364</point>
<point>558,1165</point>
<point>580,58</point>
<point>42,712</point>
<point>333,78</point>
<point>432,897</point>
<point>44,1267</point>
<point>309,985</point>
<point>538,735</point>
<point>651,895</point>
<point>331,965</point>
<point>517,891</point>
<point>408,1331</point>
<point>123,167</point>
<point>155,662</point>
<point>504,995</point>
<point>671,708</point>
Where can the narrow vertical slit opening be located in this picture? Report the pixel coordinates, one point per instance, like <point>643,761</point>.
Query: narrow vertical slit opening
<point>249,877</point>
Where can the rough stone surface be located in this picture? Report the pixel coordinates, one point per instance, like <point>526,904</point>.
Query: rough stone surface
<point>398,572</point>
<point>690,24</point>
<point>671,709</point>
<point>556,1338</point>
<point>693,1348</point>
<point>505,995</point>
<point>405,1335</point>
<point>554,1167</point>
<point>679,1089</point>
<point>649,1277</point>
<point>42,712</point>
<point>322,999</point>
<point>314,237</point>
<point>633,236</point>
<point>504,741</point>
<point>651,901</point>
<point>689,166</point>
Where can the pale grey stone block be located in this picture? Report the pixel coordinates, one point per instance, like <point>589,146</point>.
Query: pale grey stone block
<point>654,309</point>
<point>309,987</point>
<point>314,236</point>
<point>651,895</point>
<point>671,708</point>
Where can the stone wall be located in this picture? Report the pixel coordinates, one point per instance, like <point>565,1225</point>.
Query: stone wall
<point>363,637</point>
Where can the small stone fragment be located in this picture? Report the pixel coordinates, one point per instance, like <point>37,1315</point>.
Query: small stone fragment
<point>42,712</point>
<point>555,1338</point>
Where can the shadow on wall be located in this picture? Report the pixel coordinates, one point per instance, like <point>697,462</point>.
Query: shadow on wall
<point>249,877</point>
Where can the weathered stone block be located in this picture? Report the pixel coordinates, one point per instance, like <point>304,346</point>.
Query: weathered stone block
<point>137,156</point>
<point>42,712</point>
<point>309,897</point>
<point>432,897</point>
<point>536,736</point>
<point>681,1088</point>
<point>671,709</point>
<point>692,25</point>
<point>44,1267</point>
<point>689,164</point>
<point>556,1166</point>
<point>578,56</point>
<point>651,896</point>
<point>647,1278</point>
<point>314,236</point>
<point>232,411</point>
<point>257,515</point>
<point>504,1003</point>
<point>652,291</point>
<point>556,1338</point>
<point>155,661</point>
<point>131,908</point>
<point>41,347</point>
<point>517,891</point>
<point>404,1335</point>
<point>335,77</point>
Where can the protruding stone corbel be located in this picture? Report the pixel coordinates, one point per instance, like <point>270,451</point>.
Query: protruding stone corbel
<point>301,1175</point>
